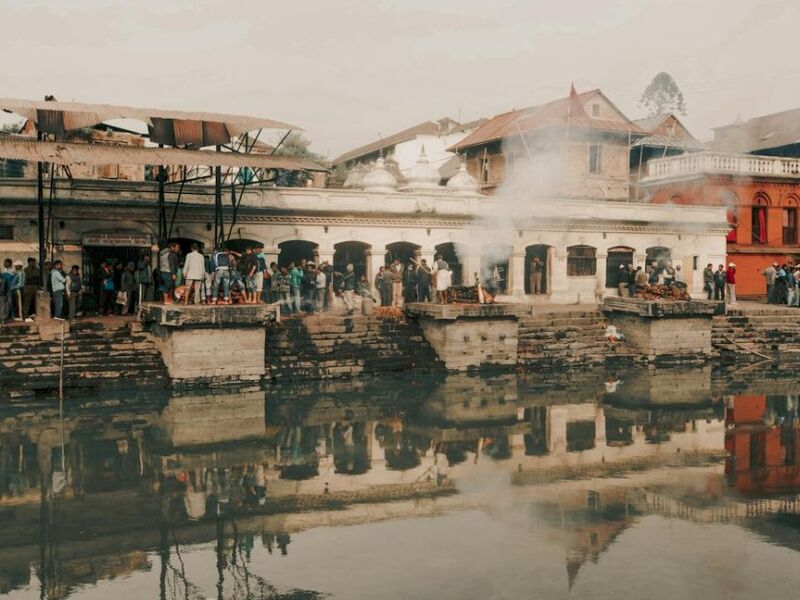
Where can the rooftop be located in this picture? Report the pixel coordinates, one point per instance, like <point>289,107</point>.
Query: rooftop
<point>567,111</point>
<point>759,133</point>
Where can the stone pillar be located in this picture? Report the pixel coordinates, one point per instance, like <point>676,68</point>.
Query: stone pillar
<point>515,286</point>
<point>271,254</point>
<point>599,428</point>
<point>472,265</point>
<point>558,274</point>
<point>375,260</point>
<point>600,274</point>
<point>324,254</point>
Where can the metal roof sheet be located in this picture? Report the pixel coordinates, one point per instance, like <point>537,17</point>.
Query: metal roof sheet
<point>425,128</point>
<point>55,117</point>
<point>66,153</point>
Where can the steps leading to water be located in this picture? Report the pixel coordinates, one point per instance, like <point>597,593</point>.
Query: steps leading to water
<point>96,353</point>
<point>564,338</point>
<point>768,332</point>
<point>332,346</point>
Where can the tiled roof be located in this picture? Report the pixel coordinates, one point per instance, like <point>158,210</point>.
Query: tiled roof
<point>652,122</point>
<point>760,133</point>
<point>562,112</point>
<point>426,128</point>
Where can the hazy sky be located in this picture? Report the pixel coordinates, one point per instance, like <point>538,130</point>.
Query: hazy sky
<point>347,71</point>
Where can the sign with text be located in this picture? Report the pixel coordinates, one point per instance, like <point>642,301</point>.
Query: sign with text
<point>142,240</point>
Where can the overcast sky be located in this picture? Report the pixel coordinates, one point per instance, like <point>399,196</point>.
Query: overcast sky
<point>348,71</point>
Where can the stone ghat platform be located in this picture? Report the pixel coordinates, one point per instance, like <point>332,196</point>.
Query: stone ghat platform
<point>471,336</point>
<point>205,316</point>
<point>210,345</point>
<point>665,331</point>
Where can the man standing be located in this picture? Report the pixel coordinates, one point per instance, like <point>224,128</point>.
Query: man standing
<point>74,291</point>
<point>441,271</point>
<point>17,288</point>
<point>221,262</point>
<point>58,281</point>
<point>33,281</point>
<point>536,275</point>
<point>424,278</point>
<point>322,287</point>
<point>397,283</point>
<point>274,282</point>
<point>770,275</point>
<point>7,275</point>
<point>295,286</point>
<point>640,279</point>
<point>624,278</point>
<point>194,272</point>
<point>349,282</point>
<point>708,281</point>
<point>730,280</point>
<point>144,281</point>
<point>128,286</point>
<point>106,289</point>
<point>719,283</point>
<point>261,274</point>
<point>168,264</point>
<point>410,281</point>
<point>248,268</point>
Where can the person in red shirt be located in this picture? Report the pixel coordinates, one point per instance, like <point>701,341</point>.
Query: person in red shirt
<point>730,279</point>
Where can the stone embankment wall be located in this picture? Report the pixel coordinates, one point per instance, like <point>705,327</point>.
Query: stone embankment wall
<point>331,346</point>
<point>757,335</point>
<point>95,355</point>
<point>564,338</point>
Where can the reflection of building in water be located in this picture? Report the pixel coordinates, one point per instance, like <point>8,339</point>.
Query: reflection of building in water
<point>763,443</point>
<point>233,468</point>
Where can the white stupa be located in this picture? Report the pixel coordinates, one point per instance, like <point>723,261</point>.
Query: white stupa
<point>423,175</point>
<point>379,179</point>
<point>462,183</point>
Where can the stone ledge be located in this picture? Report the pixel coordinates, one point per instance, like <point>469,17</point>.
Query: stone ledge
<point>208,316</point>
<point>451,312</point>
<point>665,308</point>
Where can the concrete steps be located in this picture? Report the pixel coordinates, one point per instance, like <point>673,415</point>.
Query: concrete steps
<point>334,346</point>
<point>95,353</point>
<point>565,338</point>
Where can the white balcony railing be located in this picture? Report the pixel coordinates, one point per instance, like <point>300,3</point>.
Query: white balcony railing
<point>716,163</point>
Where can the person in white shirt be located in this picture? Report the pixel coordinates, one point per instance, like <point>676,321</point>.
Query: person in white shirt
<point>194,271</point>
<point>444,277</point>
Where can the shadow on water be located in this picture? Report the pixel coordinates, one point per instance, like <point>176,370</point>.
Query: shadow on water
<point>159,489</point>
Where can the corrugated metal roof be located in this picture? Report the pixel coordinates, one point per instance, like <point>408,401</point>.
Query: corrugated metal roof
<point>652,122</point>
<point>556,113</point>
<point>665,141</point>
<point>56,117</point>
<point>64,153</point>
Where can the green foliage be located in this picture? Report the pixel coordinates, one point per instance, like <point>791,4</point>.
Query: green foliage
<point>297,145</point>
<point>663,95</point>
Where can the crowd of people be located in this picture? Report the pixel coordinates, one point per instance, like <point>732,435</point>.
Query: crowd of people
<point>783,284</point>
<point>230,277</point>
<point>19,284</point>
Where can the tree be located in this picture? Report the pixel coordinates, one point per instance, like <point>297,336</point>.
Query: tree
<point>297,145</point>
<point>663,95</point>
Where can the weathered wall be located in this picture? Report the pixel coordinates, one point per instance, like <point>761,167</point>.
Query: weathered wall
<point>473,343</point>
<point>656,338</point>
<point>212,355</point>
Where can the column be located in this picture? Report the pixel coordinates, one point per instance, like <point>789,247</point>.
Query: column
<point>324,254</point>
<point>516,274</point>
<point>375,260</point>
<point>472,265</point>
<point>558,274</point>
<point>600,274</point>
<point>271,254</point>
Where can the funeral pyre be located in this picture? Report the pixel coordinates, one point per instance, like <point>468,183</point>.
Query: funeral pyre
<point>662,292</point>
<point>469,294</point>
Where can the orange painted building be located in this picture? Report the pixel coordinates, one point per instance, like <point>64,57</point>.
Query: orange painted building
<point>763,444</point>
<point>752,167</point>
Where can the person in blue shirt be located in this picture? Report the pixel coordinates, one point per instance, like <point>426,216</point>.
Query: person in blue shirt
<point>17,287</point>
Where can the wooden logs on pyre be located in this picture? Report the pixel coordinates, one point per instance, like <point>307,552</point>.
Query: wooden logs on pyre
<point>663,292</point>
<point>468,294</point>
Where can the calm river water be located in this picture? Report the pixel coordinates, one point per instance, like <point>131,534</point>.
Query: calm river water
<point>649,484</point>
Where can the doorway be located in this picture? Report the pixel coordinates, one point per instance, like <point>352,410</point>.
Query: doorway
<point>538,254</point>
<point>618,257</point>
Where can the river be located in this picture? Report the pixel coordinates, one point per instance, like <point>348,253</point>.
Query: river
<point>583,484</point>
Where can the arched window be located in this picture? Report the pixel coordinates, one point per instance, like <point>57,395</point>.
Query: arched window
<point>581,261</point>
<point>789,221</point>
<point>758,219</point>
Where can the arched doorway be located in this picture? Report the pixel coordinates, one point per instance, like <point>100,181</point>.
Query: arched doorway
<point>293,251</point>
<point>240,245</point>
<point>494,267</point>
<point>537,256</point>
<point>758,219</point>
<point>659,255</point>
<point>185,243</point>
<point>450,256</point>
<point>351,252</point>
<point>402,251</point>
<point>618,257</point>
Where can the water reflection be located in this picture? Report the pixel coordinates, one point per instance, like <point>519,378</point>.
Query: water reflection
<point>198,497</point>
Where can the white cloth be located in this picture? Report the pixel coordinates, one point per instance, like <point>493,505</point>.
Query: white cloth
<point>195,267</point>
<point>444,278</point>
